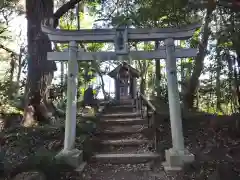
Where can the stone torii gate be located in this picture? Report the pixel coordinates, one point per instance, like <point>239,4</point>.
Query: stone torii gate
<point>177,155</point>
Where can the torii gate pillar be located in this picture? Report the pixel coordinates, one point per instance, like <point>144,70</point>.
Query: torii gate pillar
<point>177,156</point>
<point>69,153</point>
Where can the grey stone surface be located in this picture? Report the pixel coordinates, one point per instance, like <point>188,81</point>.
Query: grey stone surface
<point>73,158</point>
<point>176,160</point>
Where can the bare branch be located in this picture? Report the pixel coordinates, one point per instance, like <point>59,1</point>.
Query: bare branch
<point>64,9</point>
<point>8,50</point>
<point>110,15</point>
<point>3,30</point>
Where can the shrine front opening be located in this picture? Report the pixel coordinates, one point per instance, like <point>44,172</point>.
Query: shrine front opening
<point>125,77</point>
<point>176,156</point>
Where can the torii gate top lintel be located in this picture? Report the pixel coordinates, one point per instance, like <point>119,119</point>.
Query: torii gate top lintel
<point>121,36</point>
<point>109,35</point>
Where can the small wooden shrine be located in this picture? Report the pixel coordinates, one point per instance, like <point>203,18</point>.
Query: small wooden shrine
<point>125,77</point>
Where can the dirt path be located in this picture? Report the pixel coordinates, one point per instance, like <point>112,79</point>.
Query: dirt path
<point>100,171</point>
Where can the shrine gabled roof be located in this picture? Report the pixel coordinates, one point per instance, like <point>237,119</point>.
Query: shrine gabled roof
<point>134,72</point>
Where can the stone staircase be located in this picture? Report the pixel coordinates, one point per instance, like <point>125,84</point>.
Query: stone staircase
<point>122,137</point>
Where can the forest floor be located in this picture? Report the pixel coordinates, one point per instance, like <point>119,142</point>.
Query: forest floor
<point>217,149</point>
<point>215,142</point>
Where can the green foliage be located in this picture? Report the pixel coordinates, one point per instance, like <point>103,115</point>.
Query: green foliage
<point>194,41</point>
<point>11,5</point>
<point>7,105</point>
<point>95,47</point>
<point>9,109</point>
<point>8,10</point>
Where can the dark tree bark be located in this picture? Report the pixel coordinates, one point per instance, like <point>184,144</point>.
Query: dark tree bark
<point>218,81</point>
<point>103,85</point>
<point>40,70</point>
<point>231,86</point>
<point>237,78</point>
<point>188,97</point>
<point>236,45</point>
<point>157,70</point>
<point>20,65</point>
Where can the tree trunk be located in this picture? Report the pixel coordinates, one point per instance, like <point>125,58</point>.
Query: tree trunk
<point>231,84</point>
<point>218,81</point>
<point>103,85</point>
<point>235,40</point>
<point>157,70</point>
<point>142,86</point>
<point>19,66</point>
<point>40,71</point>
<point>192,85</point>
<point>237,78</point>
<point>11,82</point>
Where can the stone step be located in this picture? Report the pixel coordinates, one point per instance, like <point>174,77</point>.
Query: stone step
<point>119,130</point>
<point>120,111</point>
<point>123,103</point>
<point>126,101</point>
<point>124,121</point>
<point>120,115</point>
<point>106,149</point>
<point>117,133</point>
<point>125,142</point>
<point>102,137</point>
<point>126,146</point>
<point>126,158</point>
<point>121,108</point>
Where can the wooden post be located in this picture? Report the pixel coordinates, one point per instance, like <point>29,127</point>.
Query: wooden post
<point>116,91</point>
<point>134,81</point>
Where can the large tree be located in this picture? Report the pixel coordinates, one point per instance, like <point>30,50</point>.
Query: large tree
<point>40,71</point>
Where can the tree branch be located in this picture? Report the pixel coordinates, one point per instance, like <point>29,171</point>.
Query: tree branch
<point>3,30</point>
<point>63,10</point>
<point>8,50</point>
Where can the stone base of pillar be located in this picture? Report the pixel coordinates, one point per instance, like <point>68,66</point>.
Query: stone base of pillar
<point>175,160</point>
<point>72,157</point>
